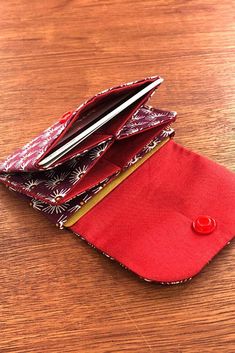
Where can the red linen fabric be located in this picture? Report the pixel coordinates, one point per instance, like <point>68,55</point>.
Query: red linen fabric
<point>146,222</point>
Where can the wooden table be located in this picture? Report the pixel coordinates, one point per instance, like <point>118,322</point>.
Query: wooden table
<point>58,294</point>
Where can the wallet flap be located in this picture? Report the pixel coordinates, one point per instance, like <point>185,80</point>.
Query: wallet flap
<point>150,222</point>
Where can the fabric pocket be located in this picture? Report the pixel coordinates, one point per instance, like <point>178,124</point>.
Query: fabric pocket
<point>53,186</point>
<point>28,158</point>
<point>144,119</point>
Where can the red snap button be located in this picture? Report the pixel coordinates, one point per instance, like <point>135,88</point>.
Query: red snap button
<point>65,117</point>
<point>204,224</point>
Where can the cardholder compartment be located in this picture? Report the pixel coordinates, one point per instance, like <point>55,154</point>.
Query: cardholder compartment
<point>53,186</point>
<point>120,155</point>
<point>122,151</point>
<point>27,158</point>
<point>93,110</point>
<point>115,125</point>
<point>144,119</point>
<point>61,213</point>
<point>92,142</point>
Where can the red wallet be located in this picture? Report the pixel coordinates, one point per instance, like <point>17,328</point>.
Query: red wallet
<point>129,190</point>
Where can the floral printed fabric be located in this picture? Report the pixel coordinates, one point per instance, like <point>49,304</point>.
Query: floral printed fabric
<point>26,158</point>
<point>54,185</point>
<point>59,214</point>
<point>145,118</point>
<point>56,191</point>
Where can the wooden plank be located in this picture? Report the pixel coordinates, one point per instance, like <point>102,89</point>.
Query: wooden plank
<point>57,294</point>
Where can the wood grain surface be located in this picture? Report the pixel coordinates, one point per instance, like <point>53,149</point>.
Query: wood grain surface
<point>56,293</point>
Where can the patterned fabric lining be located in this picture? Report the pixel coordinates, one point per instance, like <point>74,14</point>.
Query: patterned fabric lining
<point>59,214</point>
<point>145,118</point>
<point>26,158</point>
<point>56,183</point>
<point>46,189</point>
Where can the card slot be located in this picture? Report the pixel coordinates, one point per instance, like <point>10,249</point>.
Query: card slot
<point>119,156</point>
<point>111,98</point>
<point>101,171</point>
<point>122,151</point>
<point>93,141</point>
<point>97,105</point>
<point>144,119</point>
<point>94,116</point>
<point>115,125</point>
<point>53,186</point>
<point>64,182</point>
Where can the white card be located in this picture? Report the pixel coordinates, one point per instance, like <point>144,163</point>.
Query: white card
<point>65,148</point>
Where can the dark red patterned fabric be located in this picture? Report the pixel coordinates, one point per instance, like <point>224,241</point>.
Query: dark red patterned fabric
<point>27,157</point>
<point>60,184</point>
<point>59,213</point>
<point>62,189</point>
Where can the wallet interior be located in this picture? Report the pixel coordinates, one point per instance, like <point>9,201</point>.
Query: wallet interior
<point>91,111</point>
<point>100,157</point>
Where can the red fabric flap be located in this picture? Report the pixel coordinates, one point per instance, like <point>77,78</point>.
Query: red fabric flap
<point>146,223</point>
